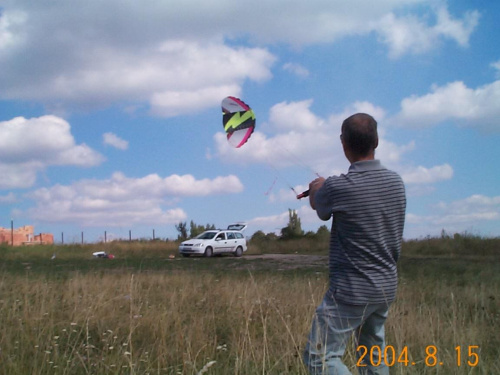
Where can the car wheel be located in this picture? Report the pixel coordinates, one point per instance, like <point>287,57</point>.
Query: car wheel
<point>208,252</point>
<point>238,252</point>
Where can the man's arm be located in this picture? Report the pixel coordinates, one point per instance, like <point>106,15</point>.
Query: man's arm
<point>318,199</point>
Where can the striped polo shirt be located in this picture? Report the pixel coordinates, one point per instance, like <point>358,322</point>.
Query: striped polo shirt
<point>367,206</point>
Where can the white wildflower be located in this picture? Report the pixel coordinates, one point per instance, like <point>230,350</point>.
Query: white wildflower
<point>206,367</point>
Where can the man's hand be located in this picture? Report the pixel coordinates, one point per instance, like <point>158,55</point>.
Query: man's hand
<point>314,186</point>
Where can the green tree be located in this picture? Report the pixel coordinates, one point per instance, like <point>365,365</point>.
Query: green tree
<point>323,233</point>
<point>182,229</point>
<point>196,229</point>
<point>258,236</point>
<point>271,236</point>
<point>294,228</point>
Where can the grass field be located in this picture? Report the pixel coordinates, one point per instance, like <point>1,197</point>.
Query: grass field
<point>148,312</point>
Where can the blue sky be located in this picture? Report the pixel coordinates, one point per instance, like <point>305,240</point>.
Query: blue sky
<point>110,116</point>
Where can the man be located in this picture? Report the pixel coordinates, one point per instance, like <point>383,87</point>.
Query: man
<point>367,207</point>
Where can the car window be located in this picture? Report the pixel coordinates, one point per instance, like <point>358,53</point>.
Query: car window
<point>231,236</point>
<point>206,235</point>
<point>220,236</point>
<point>239,235</point>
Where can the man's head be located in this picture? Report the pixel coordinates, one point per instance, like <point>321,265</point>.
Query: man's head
<point>359,136</point>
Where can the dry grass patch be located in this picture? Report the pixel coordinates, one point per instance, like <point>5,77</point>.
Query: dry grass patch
<point>154,323</point>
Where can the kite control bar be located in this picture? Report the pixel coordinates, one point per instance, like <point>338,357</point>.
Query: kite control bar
<point>303,194</point>
<point>306,192</point>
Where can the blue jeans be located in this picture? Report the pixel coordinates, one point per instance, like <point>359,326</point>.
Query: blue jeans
<point>333,326</point>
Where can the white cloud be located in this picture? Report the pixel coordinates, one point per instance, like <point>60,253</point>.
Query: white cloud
<point>294,148</point>
<point>496,66</point>
<point>376,112</point>
<point>177,58</point>
<point>405,34</point>
<point>475,204</point>
<point>285,195</point>
<point>412,34</point>
<point>114,141</point>
<point>274,223</point>
<point>294,116</point>
<point>455,101</point>
<point>187,185</point>
<point>173,103</point>
<point>457,216</point>
<point>297,69</point>
<point>11,25</point>
<point>458,30</point>
<point>305,139</point>
<point>7,199</point>
<point>121,200</point>
<point>270,224</point>
<point>390,152</point>
<point>19,175</point>
<point>422,175</point>
<point>173,77</point>
<point>29,146</point>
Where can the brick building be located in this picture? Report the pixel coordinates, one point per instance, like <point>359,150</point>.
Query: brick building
<point>24,236</point>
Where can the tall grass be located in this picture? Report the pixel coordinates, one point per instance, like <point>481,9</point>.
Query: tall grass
<point>457,245</point>
<point>153,323</point>
<point>146,312</point>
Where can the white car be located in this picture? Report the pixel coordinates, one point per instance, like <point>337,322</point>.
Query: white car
<point>216,241</point>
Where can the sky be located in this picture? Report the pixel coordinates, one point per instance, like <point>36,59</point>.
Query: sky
<point>111,125</point>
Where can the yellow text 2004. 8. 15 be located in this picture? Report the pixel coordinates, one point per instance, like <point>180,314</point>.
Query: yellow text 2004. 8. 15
<point>390,356</point>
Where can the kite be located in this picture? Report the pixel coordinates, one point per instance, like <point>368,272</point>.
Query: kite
<point>238,120</point>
